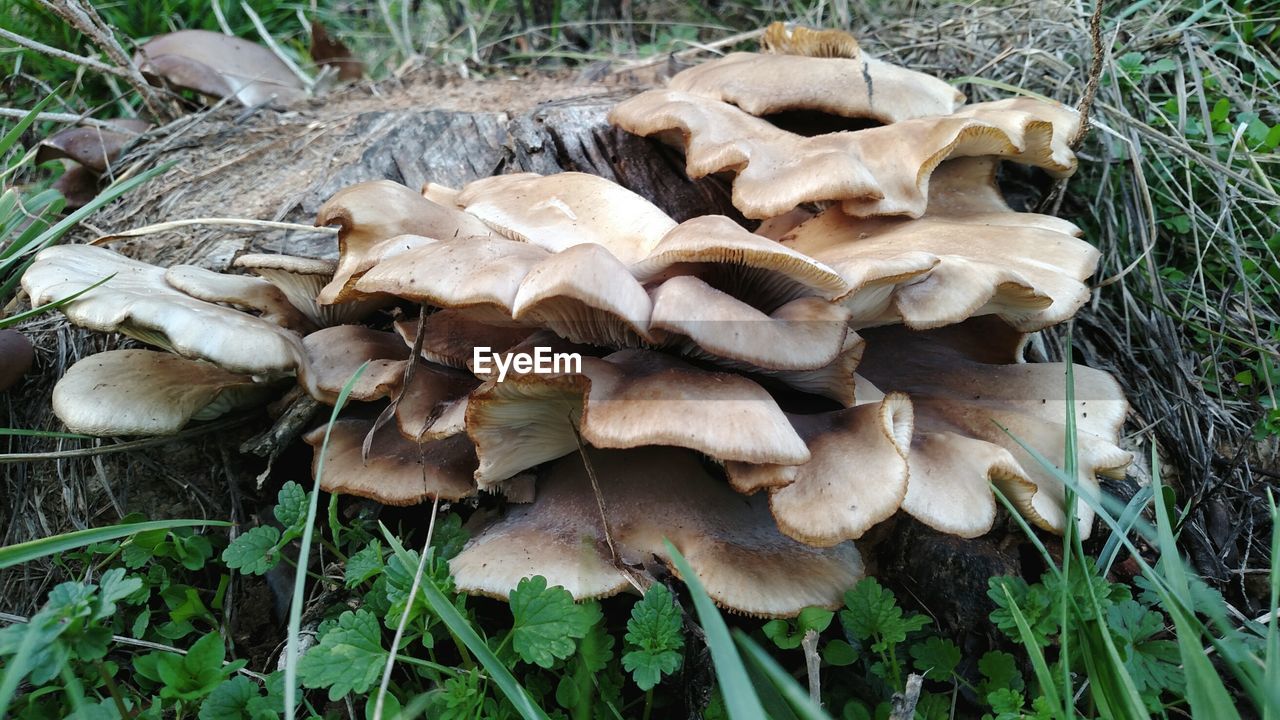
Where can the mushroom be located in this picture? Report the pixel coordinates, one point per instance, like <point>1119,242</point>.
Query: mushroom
<point>878,171</point>
<point>968,255</point>
<point>221,66</point>
<point>137,301</point>
<point>241,291</point>
<point>380,219</point>
<point>649,494</point>
<point>396,471</point>
<point>86,153</point>
<point>449,337</point>
<point>792,39</point>
<point>16,356</point>
<point>627,399</point>
<point>301,280</point>
<point>856,478</point>
<point>967,389</point>
<point>145,392</point>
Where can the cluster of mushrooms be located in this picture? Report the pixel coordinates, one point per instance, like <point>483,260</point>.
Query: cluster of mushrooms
<point>760,398</point>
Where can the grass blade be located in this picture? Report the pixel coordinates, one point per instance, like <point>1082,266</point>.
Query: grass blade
<point>33,312</point>
<point>795,695</point>
<point>462,629</point>
<point>300,579</point>
<point>1271,674</point>
<point>11,555</point>
<point>1038,664</point>
<point>740,698</point>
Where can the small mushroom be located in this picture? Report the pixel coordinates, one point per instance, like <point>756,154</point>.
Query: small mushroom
<point>220,66</point>
<point>138,302</point>
<point>144,392</point>
<point>16,356</point>
<point>649,494</point>
<point>241,291</point>
<point>380,219</point>
<point>301,280</point>
<point>396,471</point>
<point>93,147</point>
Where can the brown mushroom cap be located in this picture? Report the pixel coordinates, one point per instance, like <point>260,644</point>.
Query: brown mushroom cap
<point>763,84</point>
<point>221,66</point>
<point>628,399</point>
<point>584,293</point>
<point>729,540</point>
<point>138,302</point>
<point>397,471</point>
<point>559,211</point>
<point>968,255</point>
<point>144,392</point>
<point>334,354</point>
<point>450,337</point>
<point>16,356</point>
<point>879,171</point>
<point>961,405</point>
<point>93,147</point>
<point>371,215</point>
<point>791,39</point>
<point>856,478</point>
<point>301,280</point>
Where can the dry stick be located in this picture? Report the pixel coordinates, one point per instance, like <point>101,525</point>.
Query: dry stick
<point>43,49</point>
<point>124,446</point>
<point>243,222</point>
<point>604,516</point>
<point>59,117</point>
<point>1051,201</point>
<point>813,665</point>
<point>86,20</point>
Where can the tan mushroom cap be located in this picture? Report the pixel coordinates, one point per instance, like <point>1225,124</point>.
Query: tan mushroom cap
<point>804,334</point>
<point>450,337</point>
<point>559,211</point>
<point>478,274</point>
<point>628,399</point>
<point>221,66</point>
<point>371,216</point>
<point>856,478</point>
<point>335,354</point>
<point>879,171</point>
<point>764,84</point>
<point>585,294</point>
<point>239,290</point>
<point>968,255</point>
<point>961,405</point>
<point>397,471</point>
<point>301,280</point>
<point>791,39</point>
<point>93,147</point>
<point>650,494</point>
<point>750,265</point>
<point>138,302</point>
<point>144,392</point>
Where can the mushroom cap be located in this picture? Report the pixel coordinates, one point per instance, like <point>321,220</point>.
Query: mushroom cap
<point>559,211</point>
<point>450,337</point>
<point>862,87</point>
<point>301,280</point>
<point>962,405</point>
<point>791,39</point>
<point>221,66</point>
<point>968,255</point>
<point>856,477</point>
<point>585,294</point>
<point>479,274</point>
<point>804,334</point>
<point>397,471</point>
<point>93,147</point>
<point>241,291</point>
<point>335,353</point>
<point>144,392</point>
<point>878,171</point>
<point>138,302</point>
<point>628,399</point>
<point>650,494</point>
<point>370,214</point>
<point>16,356</point>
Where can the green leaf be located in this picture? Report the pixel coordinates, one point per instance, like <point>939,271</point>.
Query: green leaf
<point>1006,702</point>
<point>546,622</point>
<point>999,670</point>
<point>363,564</point>
<point>936,657</point>
<point>788,634</point>
<point>349,657</point>
<point>872,613</point>
<point>1221,110</point>
<point>25,552</point>
<point>839,653</point>
<point>1034,602</point>
<point>230,700</point>
<point>291,507</point>
<point>654,641</point>
<point>1153,664</point>
<point>254,552</point>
